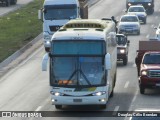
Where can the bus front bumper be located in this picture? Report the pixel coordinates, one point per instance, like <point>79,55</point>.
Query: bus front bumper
<point>84,100</point>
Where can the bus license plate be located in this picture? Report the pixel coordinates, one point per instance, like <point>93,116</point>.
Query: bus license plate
<point>77,100</point>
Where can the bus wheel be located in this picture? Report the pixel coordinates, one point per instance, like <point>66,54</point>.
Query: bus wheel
<point>103,106</point>
<point>58,106</point>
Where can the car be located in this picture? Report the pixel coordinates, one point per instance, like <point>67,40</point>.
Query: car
<point>122,48</point>
<point>157,32</point>
<point>147,4</point>
<point>129,24</point>
<point>139,11</point>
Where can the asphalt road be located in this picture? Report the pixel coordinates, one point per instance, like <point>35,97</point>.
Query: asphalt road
<point>26,87</point>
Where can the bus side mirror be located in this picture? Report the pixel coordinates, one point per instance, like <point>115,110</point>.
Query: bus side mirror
<point>107,61</point>
<point>44,62</point>
<point>40,14</point>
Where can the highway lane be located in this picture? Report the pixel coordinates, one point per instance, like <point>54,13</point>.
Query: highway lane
<point>4,10</point>
<point>26,87</point>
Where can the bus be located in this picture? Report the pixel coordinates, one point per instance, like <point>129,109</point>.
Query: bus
<point>82,63</point>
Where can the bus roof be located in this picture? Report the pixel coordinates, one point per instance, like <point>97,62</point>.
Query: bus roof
<point>94,29</point>
<point>88,23</point>
<point>78,35</point>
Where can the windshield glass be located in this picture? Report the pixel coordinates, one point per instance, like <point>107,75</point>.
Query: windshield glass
<point>121,40</point>
<point>136,9</point>
<point>151,59</point>
<point>129,19</point>
<point>139,0</point>
<point>58,12</point>
<point>78,47</point>
<point>77,71</point>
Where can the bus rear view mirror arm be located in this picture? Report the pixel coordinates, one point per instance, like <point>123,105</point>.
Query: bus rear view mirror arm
<point>45,62</point>
<point>107,61</point>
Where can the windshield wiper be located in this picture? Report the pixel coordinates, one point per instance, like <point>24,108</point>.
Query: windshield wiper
<point>79,70</point>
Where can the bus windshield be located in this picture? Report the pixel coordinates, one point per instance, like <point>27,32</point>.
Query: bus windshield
<point>58,12</point>
<point>77,71</point>
<point>77,63</point>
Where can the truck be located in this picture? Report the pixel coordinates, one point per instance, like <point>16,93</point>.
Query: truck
<point>56,13</point>
<point>82,63</point>
<point>8,2</point>
<point>148,64</point>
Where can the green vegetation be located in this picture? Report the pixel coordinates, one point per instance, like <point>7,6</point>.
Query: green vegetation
<point>18,28</point>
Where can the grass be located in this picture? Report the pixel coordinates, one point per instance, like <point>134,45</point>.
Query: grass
<point>18,28</point>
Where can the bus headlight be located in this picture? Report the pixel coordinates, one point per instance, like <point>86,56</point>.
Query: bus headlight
<point>99,93</point>
<point>149,4</point>
<point>56,93</point>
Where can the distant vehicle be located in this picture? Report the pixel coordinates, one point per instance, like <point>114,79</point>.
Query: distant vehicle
<point>129,24</point>
<point>83,65</point>
<point>139,11</point>
<point>122,48</point>
<point>147,4</point>
<point>148,64</point>
<point>56,13</point>
<point>8,2</point>
<point>157,32</point>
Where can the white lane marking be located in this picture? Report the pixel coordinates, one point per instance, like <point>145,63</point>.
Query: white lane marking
<point>132,102</point>
<point>115,110</point>
<point>134,98</point>
<point>43,104</point>
<point>147,36</point>
<point>39,108</point>
<point>126,85</point>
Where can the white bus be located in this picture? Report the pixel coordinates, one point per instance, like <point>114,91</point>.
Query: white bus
<point>83,62</point>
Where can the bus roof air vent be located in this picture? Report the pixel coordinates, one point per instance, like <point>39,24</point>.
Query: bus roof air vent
<point>84,25</point>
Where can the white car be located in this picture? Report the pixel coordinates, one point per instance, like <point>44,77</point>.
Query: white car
<point>129,24</point>
<point>158,32</point>
<point>140,11</point>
